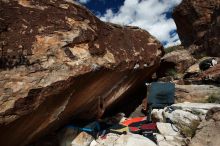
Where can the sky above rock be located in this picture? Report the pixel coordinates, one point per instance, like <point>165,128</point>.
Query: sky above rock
<point>151,15</point>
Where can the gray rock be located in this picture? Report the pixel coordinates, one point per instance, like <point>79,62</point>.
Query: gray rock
<point>67,135</point>
<point>83,139</point>
<point>170,140</point>
<point>124,140</point>
<point>169,135</point>
<point>208,132</point>
<point>185,116</point>
<point>158,115</point>
<point>167,129</point>
<point>184,120</point>
<point>195,106</point>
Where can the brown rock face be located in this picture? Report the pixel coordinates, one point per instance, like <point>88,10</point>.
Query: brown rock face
<point>212,74</point>
<point>198,23</point>
<point>177,61</point>
<point>58,62</point>
<point>209,130</point>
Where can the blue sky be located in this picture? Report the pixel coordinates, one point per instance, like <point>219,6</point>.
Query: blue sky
<point>151,15</point>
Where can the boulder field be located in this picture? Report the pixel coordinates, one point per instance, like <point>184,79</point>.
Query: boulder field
<point>58,62</point>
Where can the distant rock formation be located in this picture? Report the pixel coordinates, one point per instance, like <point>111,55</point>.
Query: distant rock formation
<point>59,62</point>
<point>198,25</point>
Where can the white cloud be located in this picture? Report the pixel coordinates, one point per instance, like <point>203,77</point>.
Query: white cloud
<point>84,1</point>
<point>148,15</point>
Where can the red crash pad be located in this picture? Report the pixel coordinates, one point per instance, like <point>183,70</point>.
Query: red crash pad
<point>133,120</point>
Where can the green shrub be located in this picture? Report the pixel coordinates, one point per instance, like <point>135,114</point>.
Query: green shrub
<point>190,131</point>
<point>214,98</point>
<point>171,72</point>
<point>173,48</point>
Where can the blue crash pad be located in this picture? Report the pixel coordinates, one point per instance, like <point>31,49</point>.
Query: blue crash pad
<point>161,93</point>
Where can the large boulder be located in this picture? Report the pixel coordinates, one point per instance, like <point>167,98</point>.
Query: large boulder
<point>209,130</point>
<point>175,62</point>
<point>167,129</point>
<point>123,140</point>
<point>58,62</point>
<point>169,135</point>
<point>170,140</point>
<point>83,139</point>
<point>195,107</point>
<point>198,26</point>
<point>185,116</point>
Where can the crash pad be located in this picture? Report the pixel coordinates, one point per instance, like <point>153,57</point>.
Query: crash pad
<point>161,93</point>
<point>119,129</point>
<point>133,120</point>
<point>134,130</point>
<point>150,126</point>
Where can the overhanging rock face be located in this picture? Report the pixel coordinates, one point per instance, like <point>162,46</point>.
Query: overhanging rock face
<point>59,62</point>
<point>198,25</point>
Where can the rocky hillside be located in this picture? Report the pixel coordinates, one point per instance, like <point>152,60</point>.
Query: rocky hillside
<point>59,62</point>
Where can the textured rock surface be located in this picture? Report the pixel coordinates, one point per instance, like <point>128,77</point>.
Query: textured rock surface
<point>177,61</point>
<point>181,58</point>
<point>170,140</point>
<point>65,137</point>
<point>195,93</point>
<point>169,135</point>
<point>184,120</point>
<point>209,130</point>
<point>198,24</point>
<point>167,129</point>
<point>83,139</point>
<point>185,116</point>
<point>195,106</point>
<point>211,75</point>
<point>59,62</point>
<point>124,140</point>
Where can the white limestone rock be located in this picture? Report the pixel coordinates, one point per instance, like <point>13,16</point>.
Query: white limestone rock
<point>83,139</point>
<point>170,140</point>
<point>195,106</point>
<point>167,129</point>
<point>124,140</point>
<point>158,114</point>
